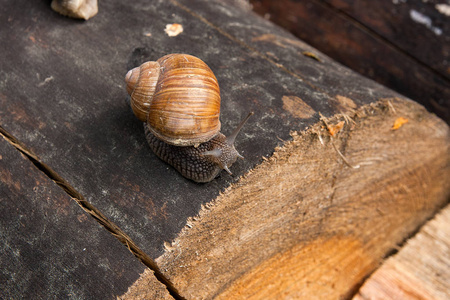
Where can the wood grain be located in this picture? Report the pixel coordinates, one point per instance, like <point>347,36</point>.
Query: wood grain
<point>305,223</point>
<point>420,270</point>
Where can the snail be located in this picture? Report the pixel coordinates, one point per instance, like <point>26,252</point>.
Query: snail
<point>178,99</point>
<point>79,9</point>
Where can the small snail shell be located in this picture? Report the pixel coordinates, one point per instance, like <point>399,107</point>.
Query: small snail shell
<point>178,99</point>
<point>79,9</point>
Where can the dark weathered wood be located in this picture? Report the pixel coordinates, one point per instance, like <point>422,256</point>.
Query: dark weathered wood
<point>419,28</point>
<point>63,95</point>
<point>382,40</point>
<point>50,248</point>
<point>320,215</point>
<point>421,270</point>
<point>301,63</point>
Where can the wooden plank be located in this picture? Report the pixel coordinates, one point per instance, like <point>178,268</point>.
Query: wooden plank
<point>281,49</point>
<point>64,97</point>
<point>377,39</point>
<point>312,222</point>
<point>419,28</point>
<point>420,270</point>
<point>51,248</point>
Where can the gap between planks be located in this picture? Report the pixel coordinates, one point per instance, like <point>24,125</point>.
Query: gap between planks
<point>379,37</point>
<point>93,211</point>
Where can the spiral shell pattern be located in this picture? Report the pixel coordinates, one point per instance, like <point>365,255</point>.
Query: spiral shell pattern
<point>181,106</point>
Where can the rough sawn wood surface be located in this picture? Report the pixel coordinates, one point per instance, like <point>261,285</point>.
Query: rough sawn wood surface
<point>305,224</point>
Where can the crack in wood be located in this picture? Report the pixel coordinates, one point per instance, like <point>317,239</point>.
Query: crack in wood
<point>93,211</point>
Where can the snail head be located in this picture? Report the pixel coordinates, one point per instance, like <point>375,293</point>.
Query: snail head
<point>224,153</point>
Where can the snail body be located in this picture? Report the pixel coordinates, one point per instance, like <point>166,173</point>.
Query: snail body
<point>178,99</point>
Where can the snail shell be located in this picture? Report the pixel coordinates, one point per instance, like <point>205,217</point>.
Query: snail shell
<point>79,9</point>
<point>179,98</point>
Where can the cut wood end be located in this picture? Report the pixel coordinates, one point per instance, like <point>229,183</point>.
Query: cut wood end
<point>298,221</point>
<point>300,266</point>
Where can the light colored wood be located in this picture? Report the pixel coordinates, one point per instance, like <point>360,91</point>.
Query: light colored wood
<point>421,270</point>
<point>316,218</point>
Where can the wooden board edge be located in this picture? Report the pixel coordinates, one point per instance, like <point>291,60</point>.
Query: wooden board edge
<point>199,261</point>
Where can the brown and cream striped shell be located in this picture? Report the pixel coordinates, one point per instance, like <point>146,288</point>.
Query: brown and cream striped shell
<point>179,98</point>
